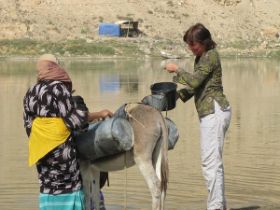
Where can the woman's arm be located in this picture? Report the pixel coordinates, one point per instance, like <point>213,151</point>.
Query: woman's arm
<point>99,115</point>
<point>193,80</point>
<point>75,115</point>
<point>184,94</point>
<point>80,104</point>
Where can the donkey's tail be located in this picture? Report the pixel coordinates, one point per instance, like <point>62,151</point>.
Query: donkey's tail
<point>164,156</point>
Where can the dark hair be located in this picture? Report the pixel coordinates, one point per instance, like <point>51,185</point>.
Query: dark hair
<point>199,33</point>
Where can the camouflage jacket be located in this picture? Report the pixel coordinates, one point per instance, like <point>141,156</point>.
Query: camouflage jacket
<point>205,83</point>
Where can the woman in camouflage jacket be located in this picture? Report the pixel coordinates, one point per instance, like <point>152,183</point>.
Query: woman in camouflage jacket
<point>213,108</point>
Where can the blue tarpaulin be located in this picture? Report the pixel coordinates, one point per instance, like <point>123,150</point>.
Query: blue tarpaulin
<point>109,29</point>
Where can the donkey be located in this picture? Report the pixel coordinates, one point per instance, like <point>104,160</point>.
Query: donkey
<point>149,153</point>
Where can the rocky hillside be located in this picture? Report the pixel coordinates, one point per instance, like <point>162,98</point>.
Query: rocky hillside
<point>230,21</point>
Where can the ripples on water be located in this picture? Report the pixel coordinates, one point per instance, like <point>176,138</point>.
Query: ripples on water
<point>251,153</point>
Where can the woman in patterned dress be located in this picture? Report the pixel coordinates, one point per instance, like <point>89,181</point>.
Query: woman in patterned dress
<point>49,117</point>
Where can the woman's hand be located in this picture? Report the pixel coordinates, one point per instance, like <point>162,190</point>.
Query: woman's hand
<point>105,113</point>
<point>99,115</point>
<point>171,67</point>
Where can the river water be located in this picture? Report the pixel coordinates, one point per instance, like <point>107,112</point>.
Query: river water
<point>251,152</point>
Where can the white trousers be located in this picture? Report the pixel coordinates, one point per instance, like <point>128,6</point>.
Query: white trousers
<point>212,132</point>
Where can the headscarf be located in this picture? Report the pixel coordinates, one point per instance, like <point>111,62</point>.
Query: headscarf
<point>49,69</point>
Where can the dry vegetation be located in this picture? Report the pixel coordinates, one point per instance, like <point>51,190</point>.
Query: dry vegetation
<point>240,27</point>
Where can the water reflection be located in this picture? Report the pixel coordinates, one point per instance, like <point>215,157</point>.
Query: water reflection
<point>115,82</point>
<point>252,145</point>
<point>109,83</point>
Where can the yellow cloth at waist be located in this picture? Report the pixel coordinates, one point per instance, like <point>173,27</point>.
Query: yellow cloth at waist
<point>46,134</point>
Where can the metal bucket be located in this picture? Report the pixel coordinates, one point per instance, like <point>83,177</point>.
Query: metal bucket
<point>105,138</point>
<point>157,101</point>
<point>168,90</point>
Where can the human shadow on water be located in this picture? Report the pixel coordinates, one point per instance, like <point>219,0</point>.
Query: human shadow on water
<point>246,208</point>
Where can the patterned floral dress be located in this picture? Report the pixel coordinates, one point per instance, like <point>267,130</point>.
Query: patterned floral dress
<point>58,171</point>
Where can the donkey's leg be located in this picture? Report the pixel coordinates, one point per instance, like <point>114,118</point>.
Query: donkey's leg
<point>85,168</point>
<point>149,174</point>
<point>158,167</point>
<point>95,188</point>
<point>160,163</point>
<point>157,161</point>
